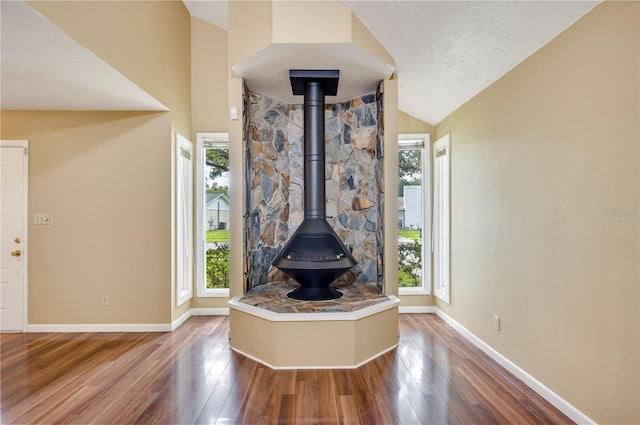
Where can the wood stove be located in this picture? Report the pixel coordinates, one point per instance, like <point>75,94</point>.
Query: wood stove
<point>314,256</point>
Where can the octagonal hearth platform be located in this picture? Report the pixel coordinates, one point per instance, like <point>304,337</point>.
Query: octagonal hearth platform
<point>283,333</point>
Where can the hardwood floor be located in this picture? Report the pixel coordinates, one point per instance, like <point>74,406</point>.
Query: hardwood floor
<point>191,376</point>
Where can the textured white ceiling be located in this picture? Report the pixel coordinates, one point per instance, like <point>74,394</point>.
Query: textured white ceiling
<point>44,68</point>
<point>446,52</point>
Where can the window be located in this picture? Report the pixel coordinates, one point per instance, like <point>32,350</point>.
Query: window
<point>413,214</point>
<point>212,215</point>
<point>441,216</point>
<point>184,220</point>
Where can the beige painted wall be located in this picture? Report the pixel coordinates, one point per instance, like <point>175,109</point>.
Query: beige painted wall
<point>236,188</point>
<point>362,37</point>
<point>248,14</point>
<point>147,41</point>
<point>331,23</point>
<point>422,300</point>
<point>209,78</point>
<point>151,47</point>
<point>98,173</point>
<point>209,99</point>
<point>292,23</point>
<point>538,159</point>
<point>271,22</point>
<point>408,124</point>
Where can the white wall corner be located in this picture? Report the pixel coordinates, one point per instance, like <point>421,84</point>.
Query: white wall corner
<point>180,320</point>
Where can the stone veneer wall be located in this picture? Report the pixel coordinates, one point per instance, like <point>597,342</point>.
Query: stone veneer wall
<point>274,173</point>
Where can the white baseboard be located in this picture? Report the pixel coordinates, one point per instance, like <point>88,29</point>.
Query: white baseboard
<point>101,327</point>
<point>180,320</point>
<point>210,311</point>
<point>199,312</point>
<point>416,309</point>
<point>553,398</point>
<point>126,327</point>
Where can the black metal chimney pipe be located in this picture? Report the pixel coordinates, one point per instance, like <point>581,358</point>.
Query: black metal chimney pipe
<point>314,163</point>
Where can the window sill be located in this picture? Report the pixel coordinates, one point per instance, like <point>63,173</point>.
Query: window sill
<point>413,291</point>
<point>214,293</point>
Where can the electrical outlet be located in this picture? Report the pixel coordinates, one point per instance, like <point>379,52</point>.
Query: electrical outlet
<point>105,300</point>
<point>43,218</point>
<point>496,322</point>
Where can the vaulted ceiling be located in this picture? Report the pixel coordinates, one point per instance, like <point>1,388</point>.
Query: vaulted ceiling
<point>446,52</point>
<point>44,68</point>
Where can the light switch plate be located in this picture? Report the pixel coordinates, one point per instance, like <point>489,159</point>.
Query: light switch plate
<point>43,218</point>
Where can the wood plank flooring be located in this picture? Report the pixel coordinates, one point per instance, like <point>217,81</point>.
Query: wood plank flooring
<point>191,376</point>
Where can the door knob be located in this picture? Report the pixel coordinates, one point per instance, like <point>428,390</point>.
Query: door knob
<point>17,240</point>
<point>16,253</point>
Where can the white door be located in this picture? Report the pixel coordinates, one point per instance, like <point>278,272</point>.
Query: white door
<point>13,202</point>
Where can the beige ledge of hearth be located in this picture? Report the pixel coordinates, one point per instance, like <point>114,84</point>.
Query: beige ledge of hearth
<point>322,340</point>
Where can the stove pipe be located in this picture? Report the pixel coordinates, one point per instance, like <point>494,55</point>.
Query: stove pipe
<point>314,256</point>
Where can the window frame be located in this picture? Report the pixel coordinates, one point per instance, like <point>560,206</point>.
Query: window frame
<point>441,242</point>
<point>422,139</point>
<point>205,141</point>
<point>183,220</point>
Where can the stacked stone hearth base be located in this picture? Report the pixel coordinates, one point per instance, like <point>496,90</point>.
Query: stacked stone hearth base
<point>273,297</point>
<point>284,333</point>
